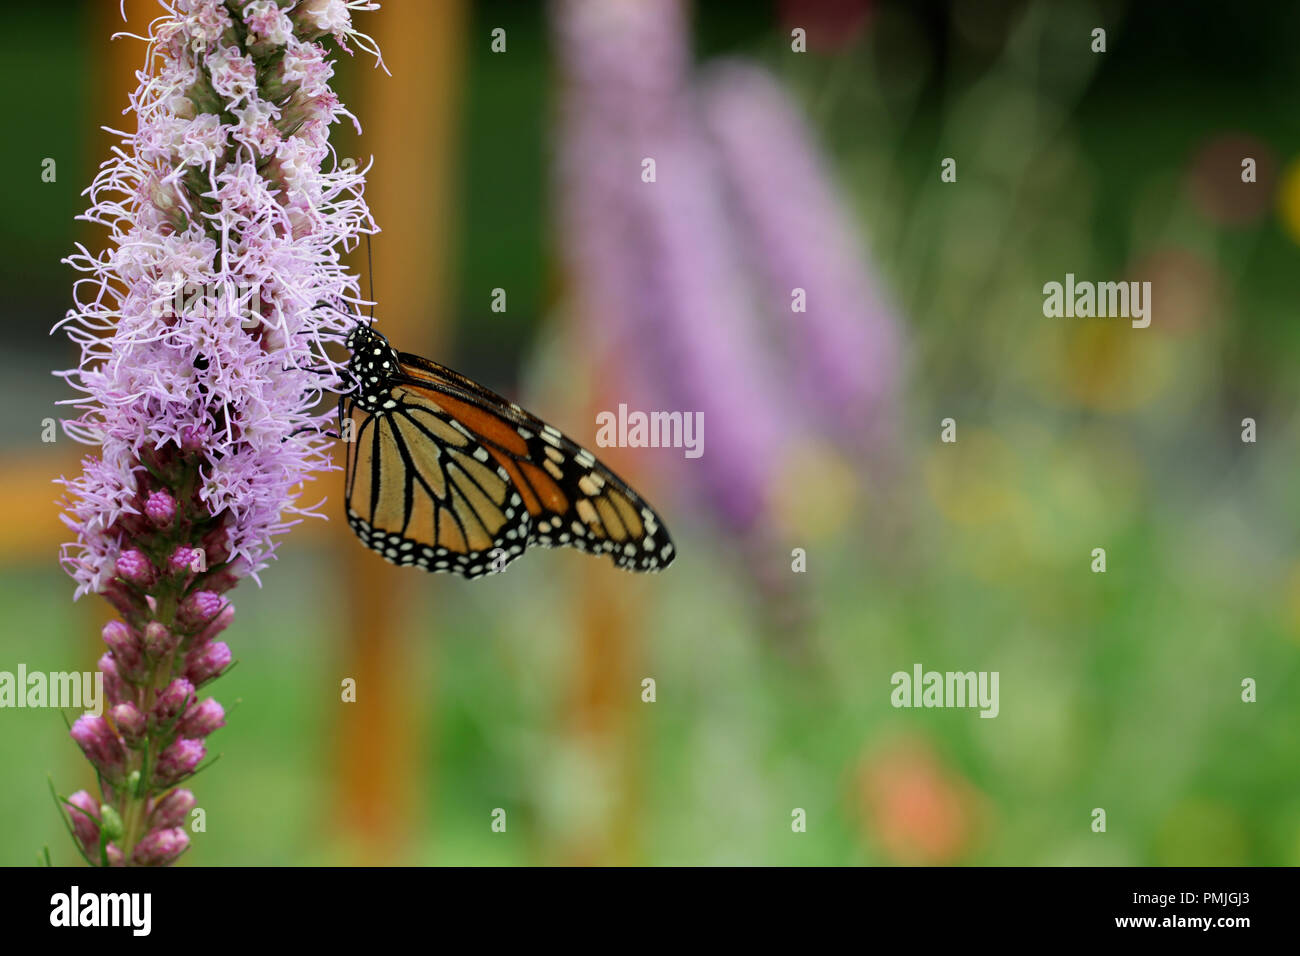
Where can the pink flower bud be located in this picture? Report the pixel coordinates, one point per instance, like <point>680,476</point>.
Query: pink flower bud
<point>172,810</point>
<point>133,566</point>
<point>114,855</point>
<point>126,648</point>
<point>83,812</point>
<point>207,662</point>
<point>200,608</point>
<point>202,719</point>
<point>100,745</point>
<point>194,438</point>
<point>217,625</point>
<point>217,544</point>
<point>115,689</point>
<point>173,701</point>
<point>131,724</point>
<point>120,596</point>
<point>160,509</point>
<point>158,640</point>
<point>221,581</point>
<point>161,847</point>
<point>177,761</point>
<point>184,560</point>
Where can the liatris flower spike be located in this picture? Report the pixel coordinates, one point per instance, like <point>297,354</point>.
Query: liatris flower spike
<point>202,329</point>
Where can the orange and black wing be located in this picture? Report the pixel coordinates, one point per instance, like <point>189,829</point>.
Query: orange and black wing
<point>423,492</point>
<point>456,478</point>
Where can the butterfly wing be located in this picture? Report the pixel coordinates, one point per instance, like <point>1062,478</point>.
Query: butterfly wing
<point>422,491</point>
<point>569,497</point>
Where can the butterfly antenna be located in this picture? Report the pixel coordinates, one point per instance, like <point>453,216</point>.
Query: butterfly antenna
<point>370,271</point>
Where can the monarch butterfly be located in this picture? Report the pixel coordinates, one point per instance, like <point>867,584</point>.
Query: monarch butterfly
<point>447,475</point>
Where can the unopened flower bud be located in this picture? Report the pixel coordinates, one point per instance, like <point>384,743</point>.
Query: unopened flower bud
<point>194,437</point>
<point>207,662</point>
<point>100,745</point>
<point>200,608</point>
<point>133,566</point>
<point>160,509</point>
<point>131,724</point>
<point>172,810</point>
<point>161,847</point>
<point>173,702</point>
<point>159,641</point>
<point>202,719</point>
<point>177,761</point>
<point>185,560</point>
<point>215,626</point>
<point>83,813</point>
<point>126,648</point>
<point>115,689</point>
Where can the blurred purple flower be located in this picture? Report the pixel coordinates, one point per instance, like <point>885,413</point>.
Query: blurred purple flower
<point>656,259</point>
<point>846,345</point>
<point>683,272</point>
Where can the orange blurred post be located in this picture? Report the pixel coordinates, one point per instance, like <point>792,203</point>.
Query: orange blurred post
<point>409,122</point>
<point>606,688</point>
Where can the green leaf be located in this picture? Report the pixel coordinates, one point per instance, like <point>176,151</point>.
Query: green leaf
<point>64,806</point>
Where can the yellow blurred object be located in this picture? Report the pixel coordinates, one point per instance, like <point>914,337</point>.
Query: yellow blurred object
<point>971,479</point>
<point>1292,601</point>
<point>1109,366</point>
<point>816,491</point>
<point>1288,199</point>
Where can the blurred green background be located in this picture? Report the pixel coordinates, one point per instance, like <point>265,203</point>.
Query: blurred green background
<point>1119,691</point>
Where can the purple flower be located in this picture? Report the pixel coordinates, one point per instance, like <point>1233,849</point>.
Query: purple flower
<point>115,689</point>
<point>159,640</point>
<point>200,608</point>
<point>202,328</point>
<point>173,702</point>
<point>215,626</point>
<point>202,719</point>
<point>127,649</point>
<point>688,272</point>
<point>207,662</point>
<point>160,509</point>
<point>101,746</point>
<point>178,761</point>
<point>133,566</point>
<point>131,724</point>
<point>846,344</point>
<point>183,560</point>
<point>161,847</point>
<point>83,812</point>
<point>172,810</point>
<point>222,381</point>
<point>657,257</point>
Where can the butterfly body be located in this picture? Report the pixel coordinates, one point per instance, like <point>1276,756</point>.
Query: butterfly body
<point>446,475</point>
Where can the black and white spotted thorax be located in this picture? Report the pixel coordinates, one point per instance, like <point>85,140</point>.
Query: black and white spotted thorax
<point>372,364</point>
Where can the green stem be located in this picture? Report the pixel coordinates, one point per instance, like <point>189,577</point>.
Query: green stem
<point>133,801</point>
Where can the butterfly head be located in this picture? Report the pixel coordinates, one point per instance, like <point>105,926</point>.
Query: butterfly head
<point>373,362</point>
